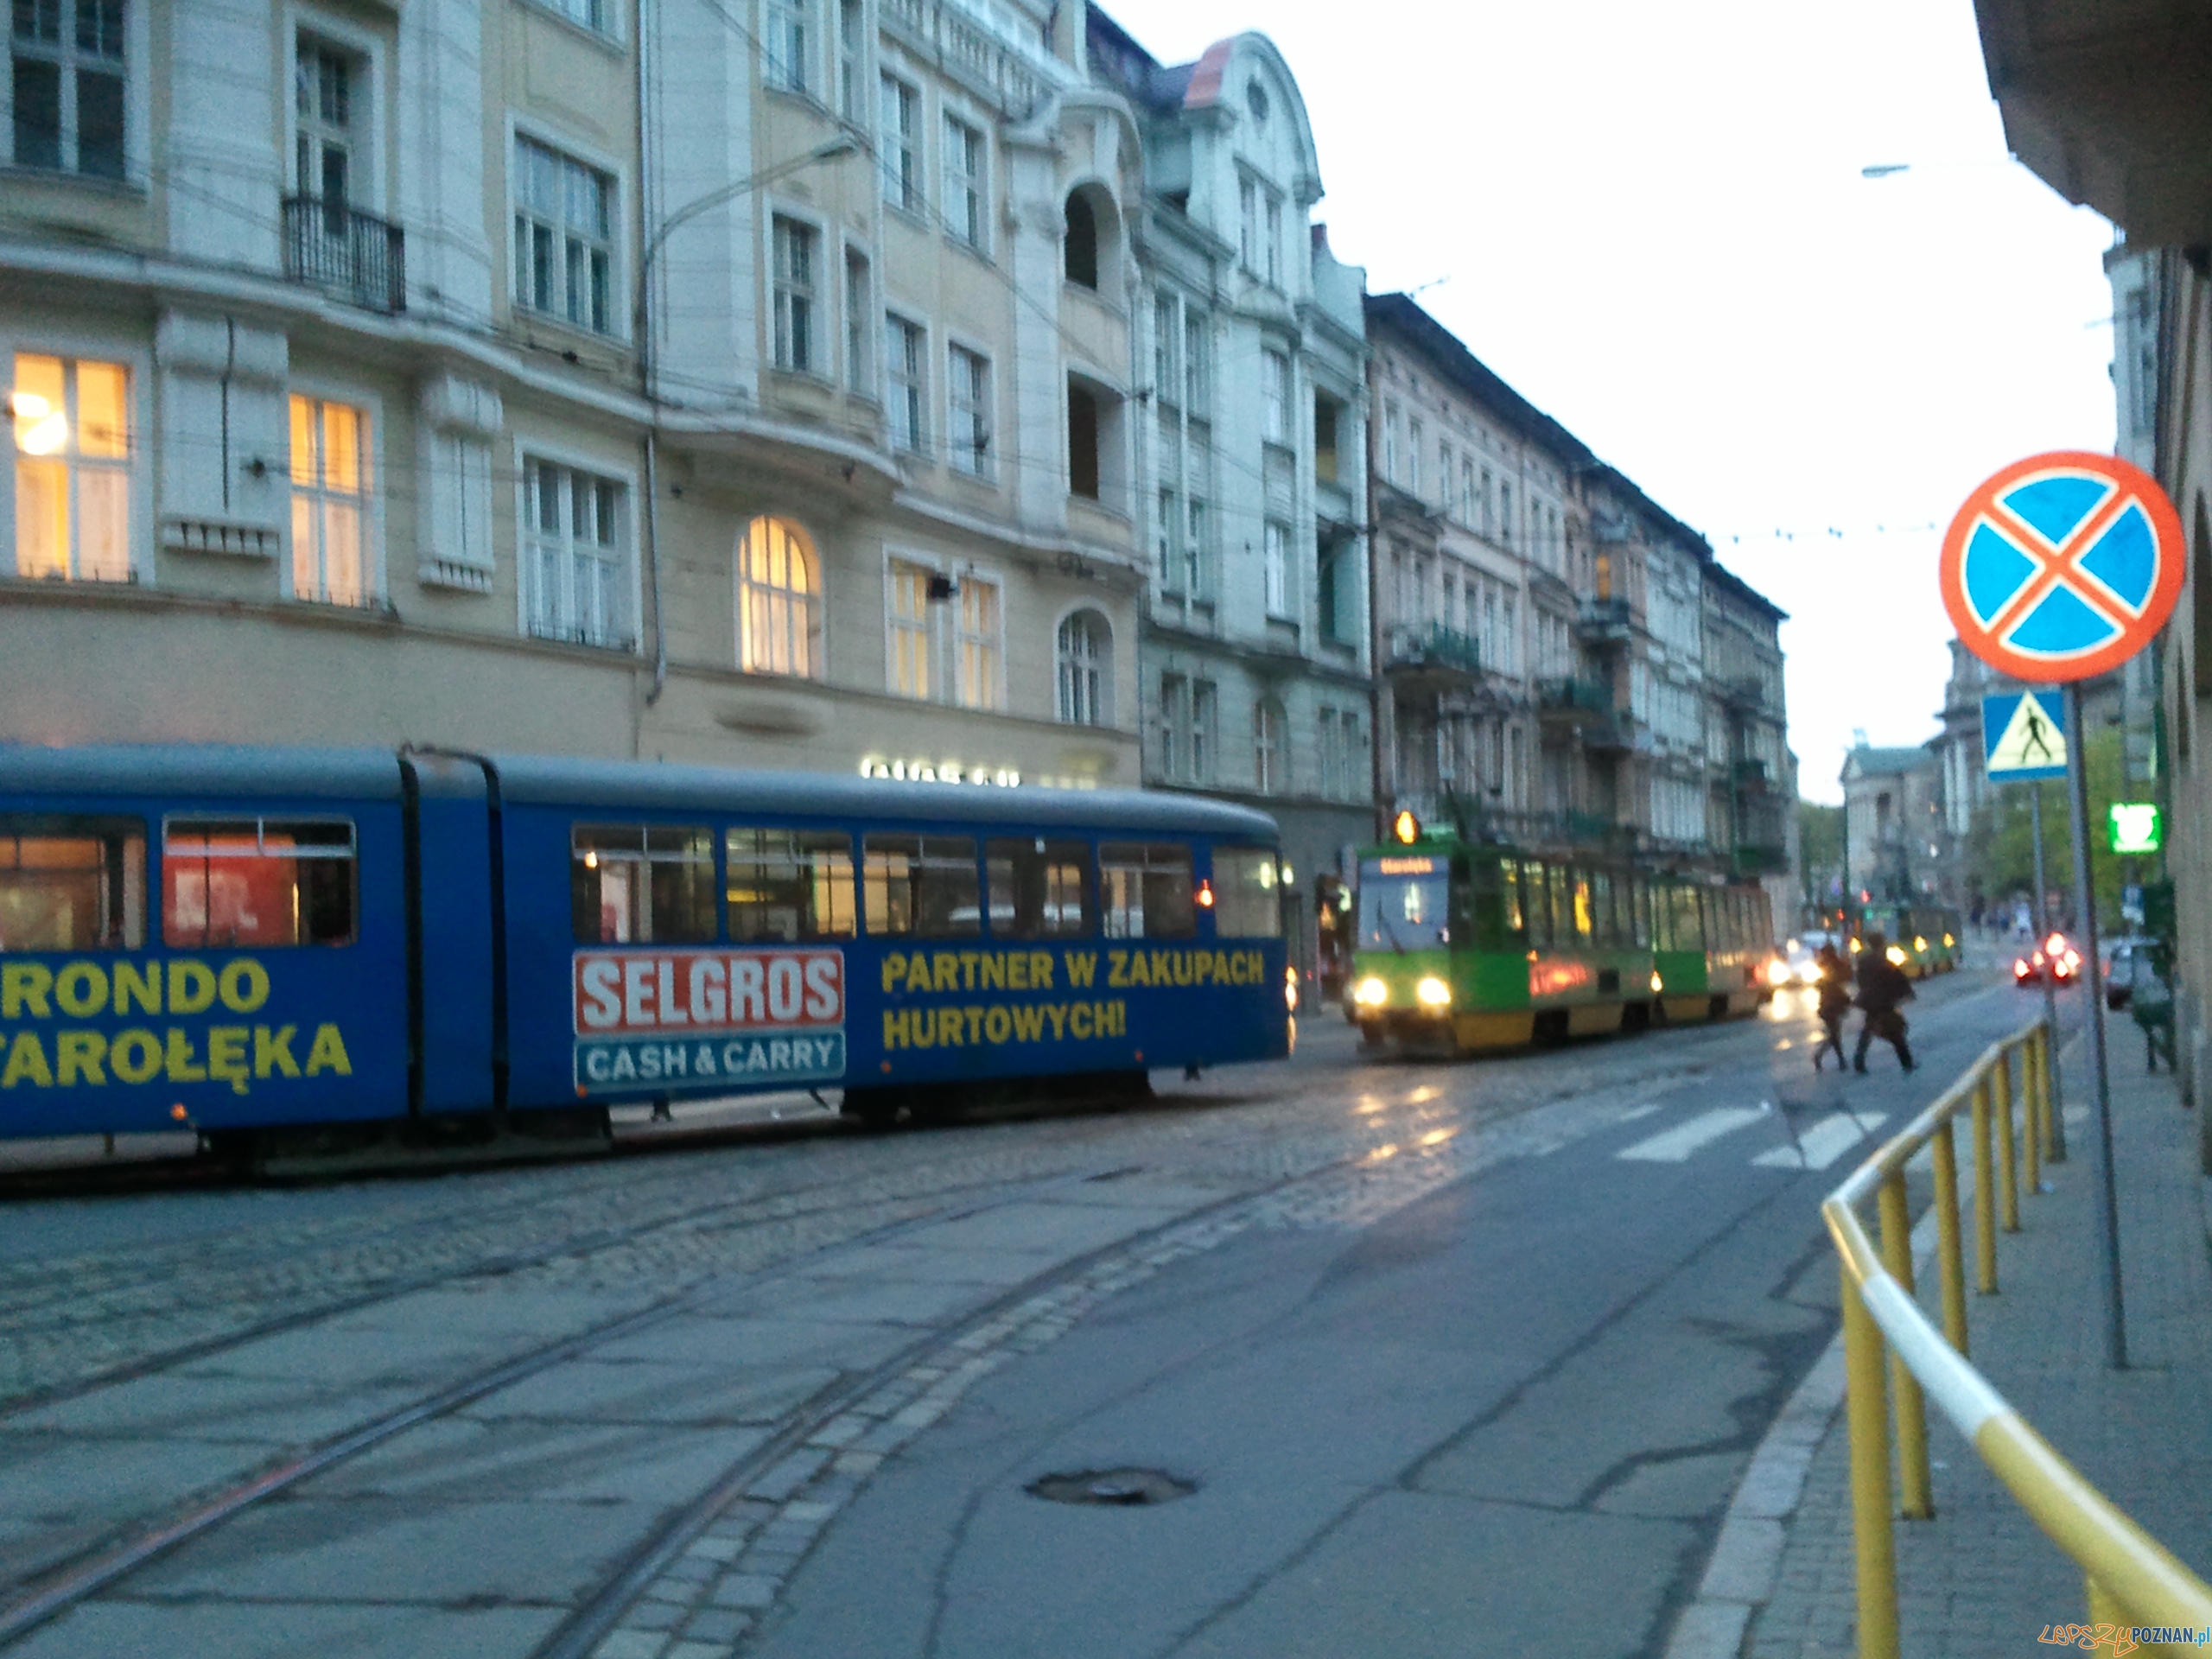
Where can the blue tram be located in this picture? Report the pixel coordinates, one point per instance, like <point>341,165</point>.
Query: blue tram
<point>237,940</point>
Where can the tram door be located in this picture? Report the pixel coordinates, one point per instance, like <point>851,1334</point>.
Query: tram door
<point>1298,944</point>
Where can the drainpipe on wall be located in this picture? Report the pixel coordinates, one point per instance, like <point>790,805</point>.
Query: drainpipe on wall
<point>644,346</point>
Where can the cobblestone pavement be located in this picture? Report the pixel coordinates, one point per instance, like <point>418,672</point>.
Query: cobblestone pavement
<point>1982,1579</point>
<point>831,1295</point>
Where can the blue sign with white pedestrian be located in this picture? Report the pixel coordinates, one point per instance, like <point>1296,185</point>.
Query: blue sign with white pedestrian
<point>2023,737</point>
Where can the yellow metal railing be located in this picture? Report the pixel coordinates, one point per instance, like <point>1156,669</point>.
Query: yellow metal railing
<point>2131,1578</point>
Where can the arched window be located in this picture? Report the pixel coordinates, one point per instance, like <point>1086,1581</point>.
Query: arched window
<point>1083,241</point>
<point>1270,756</point>
<point>779,600</point>
<point>1085,656</point>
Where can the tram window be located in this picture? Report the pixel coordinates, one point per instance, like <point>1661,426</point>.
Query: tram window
<point>923,885</point>
<point>228,882</point>
<point>1585,918</point>
<point>1689,932</point>
<point>1144,889</point>
<point>1403,905</point>
<point>1562,880</point>
<point>1248,898</point>
<point>1535,902</point>
<point>641,884</point>
<point>1605,923</point>
<point>1039,889</point>
<point>1509,880</point>
<point>789,884</point>
<point>73,884</point>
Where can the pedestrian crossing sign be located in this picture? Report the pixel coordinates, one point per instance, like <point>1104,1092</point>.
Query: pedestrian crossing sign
<point>2023,739</point>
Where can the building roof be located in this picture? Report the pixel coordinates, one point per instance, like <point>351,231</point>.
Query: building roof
<point>1867,762</point>
<point>1451,359</point>
<point>1115,54</point>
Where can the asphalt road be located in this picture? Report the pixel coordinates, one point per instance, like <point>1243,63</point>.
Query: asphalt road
<point>1424,1358</point>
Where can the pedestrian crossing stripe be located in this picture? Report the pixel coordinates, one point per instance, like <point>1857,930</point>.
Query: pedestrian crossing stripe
<point>2022,739</point>
<point>1816,1148</point>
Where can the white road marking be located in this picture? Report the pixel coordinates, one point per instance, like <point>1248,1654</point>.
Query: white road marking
<point>1675,1145</point>
<point>1823,1143</point>
<point>1635,1112</point>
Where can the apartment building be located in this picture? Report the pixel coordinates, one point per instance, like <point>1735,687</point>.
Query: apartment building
<point>1250,455</point>
<point>1561,662</point>
<point>577,375</point>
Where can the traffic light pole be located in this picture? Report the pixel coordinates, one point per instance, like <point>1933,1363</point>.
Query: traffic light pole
<point>2050,981</point>
<point>2085,903</point>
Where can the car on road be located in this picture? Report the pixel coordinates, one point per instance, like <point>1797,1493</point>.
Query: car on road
<point>2053,956</point>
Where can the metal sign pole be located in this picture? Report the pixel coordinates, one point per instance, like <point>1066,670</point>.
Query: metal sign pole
<point>2077,778</point>
<point>2049,984</point>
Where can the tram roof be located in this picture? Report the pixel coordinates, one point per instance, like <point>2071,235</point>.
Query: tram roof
<point>194,769</point>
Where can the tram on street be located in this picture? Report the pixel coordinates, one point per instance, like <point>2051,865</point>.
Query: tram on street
<point>1468,947</point>
<point>248,941</point>
<point>1924,939</point>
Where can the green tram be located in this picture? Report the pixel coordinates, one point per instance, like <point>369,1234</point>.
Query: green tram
<point>1474,947</point>
<point>1923,939</point>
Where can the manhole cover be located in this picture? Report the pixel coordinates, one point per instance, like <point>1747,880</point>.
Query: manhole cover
<point>1125,1488</point>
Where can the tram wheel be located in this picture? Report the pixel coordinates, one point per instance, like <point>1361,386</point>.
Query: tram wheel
<point>875,1109</point>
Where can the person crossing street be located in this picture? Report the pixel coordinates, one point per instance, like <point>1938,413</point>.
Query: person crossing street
<point>1835,1003</point>
<point>1882,987</point>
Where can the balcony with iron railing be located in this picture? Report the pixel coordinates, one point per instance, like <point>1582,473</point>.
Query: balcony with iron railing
<point>348,254</point>
<point>1603,622</point>
<point>1430,652</point>
<point>1004,66</point>
<point>1570,702</point>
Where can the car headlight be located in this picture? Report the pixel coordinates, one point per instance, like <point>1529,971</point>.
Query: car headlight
<point>1371,993</point>
<point>1808,974</point>
<point>1432,993</point>
<point>1777,973</point>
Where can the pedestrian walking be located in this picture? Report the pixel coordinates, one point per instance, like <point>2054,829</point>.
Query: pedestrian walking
<point>1835,1002</point>
<point>1882,987</point>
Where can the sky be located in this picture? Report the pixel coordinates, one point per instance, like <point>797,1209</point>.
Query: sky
<point>1651,220</point>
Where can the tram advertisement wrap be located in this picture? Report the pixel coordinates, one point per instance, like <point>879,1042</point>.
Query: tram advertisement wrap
<point>986,998</point>
<point>705,1019</point>
<point>90,1023</point>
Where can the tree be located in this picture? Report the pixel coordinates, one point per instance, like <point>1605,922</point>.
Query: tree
<point>1820,849</point>
<point>2001,849</point>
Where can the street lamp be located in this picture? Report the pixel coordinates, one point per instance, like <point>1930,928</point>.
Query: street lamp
<point>845,143</point>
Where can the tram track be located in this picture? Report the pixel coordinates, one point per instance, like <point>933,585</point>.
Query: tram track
<point>130,1544</point>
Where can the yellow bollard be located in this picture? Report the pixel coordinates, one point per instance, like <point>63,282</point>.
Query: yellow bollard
<point>1919,1493</point>
<point>1950,1253</point>
<point>2103,1608</point>
<point>1984,1183</point>
<point>2008,1160</point>
<point>2054,1132</point>
<point>1871,1530</point>
<point>2031,1123</point>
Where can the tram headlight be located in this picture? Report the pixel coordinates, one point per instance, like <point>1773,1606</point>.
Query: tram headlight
<point>1657,983</point>
<point>1432,993</point>
<point>1919,943</point>
<point>1290,988</point>
<point>1371,993</point>
<point>1896,954</point>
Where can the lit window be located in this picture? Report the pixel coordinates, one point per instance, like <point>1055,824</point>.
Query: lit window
<point>330,503</point>
<point>639,884</point>
<point>72,468</point>
<point>965,187</point>
<point>790,885</point>
<point>970,437</point>
<point>921,884</point>
<point>977,627</point>
<point>73,883</point>
<point>257,882</point>
<point>564,249</point>
<point>779,601</point>
<point>68,73</point>
<point>1084,654</point>
<point>574,563</point>
<point>911,626</point>
<point>794,244</point>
